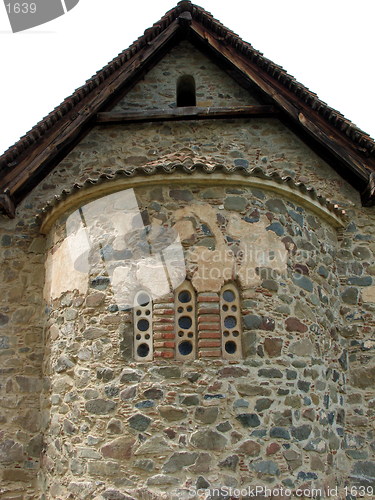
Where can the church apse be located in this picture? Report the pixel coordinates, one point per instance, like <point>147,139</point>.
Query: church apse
<point>193,345</point>
<point>188,306</point>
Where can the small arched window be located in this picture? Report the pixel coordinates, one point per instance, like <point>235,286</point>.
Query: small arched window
<point>185,321</point>
<point>186,91</point>
<point>230,318</point>
<point>142,318</point>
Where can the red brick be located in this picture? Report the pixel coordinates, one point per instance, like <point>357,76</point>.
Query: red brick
<point>163,312</point>
<point>162,319</point>
<point>167,345</point>
<point>164,354</point>
<point>203,334</point>
<point>209,326</point>
<point>209,343</point>
<point>209,335</point>
<point>163,328</point>
<point>208,318</point>
<point>165,301</point>
<point>163,335</point>
<point>208,299</point>
<point>168,335</point>
<point>210,354</point>
<point>206,310</point>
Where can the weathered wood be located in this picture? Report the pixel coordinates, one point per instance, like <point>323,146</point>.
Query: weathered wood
<point>368,195</point>
<point>186,113</point>
<point>7,205</point>
<point>71,126</point>
<point>310,120</point>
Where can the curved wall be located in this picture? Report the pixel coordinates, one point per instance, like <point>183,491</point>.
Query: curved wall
<point>271,415</point>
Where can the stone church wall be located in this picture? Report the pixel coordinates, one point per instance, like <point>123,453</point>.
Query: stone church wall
<point>79,416</point>
<point>274,415</point>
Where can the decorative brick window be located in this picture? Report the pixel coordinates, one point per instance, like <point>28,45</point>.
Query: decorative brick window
<point>230,322</point>
<point>185,321</point>
<point>142,320</point>
<point>188,325</point>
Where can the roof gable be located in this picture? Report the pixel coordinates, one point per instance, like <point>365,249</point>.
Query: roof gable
<point>34,156</point>
<point>157,89</point>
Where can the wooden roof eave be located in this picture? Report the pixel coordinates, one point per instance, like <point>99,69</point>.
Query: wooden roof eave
<point>74,124</point>
<point>303,115</point>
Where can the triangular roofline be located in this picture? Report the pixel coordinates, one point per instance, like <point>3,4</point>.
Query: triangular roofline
<point>349,149</point>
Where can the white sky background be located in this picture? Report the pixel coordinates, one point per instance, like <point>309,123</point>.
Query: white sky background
<point>328,45</point>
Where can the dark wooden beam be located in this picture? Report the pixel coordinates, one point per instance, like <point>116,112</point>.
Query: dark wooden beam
<point>186,113</point>
<point>7,206</point>
<point>368,195</point>
<point>314,124</point>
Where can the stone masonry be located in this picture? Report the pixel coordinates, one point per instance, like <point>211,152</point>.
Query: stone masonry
<point>81,418</point>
